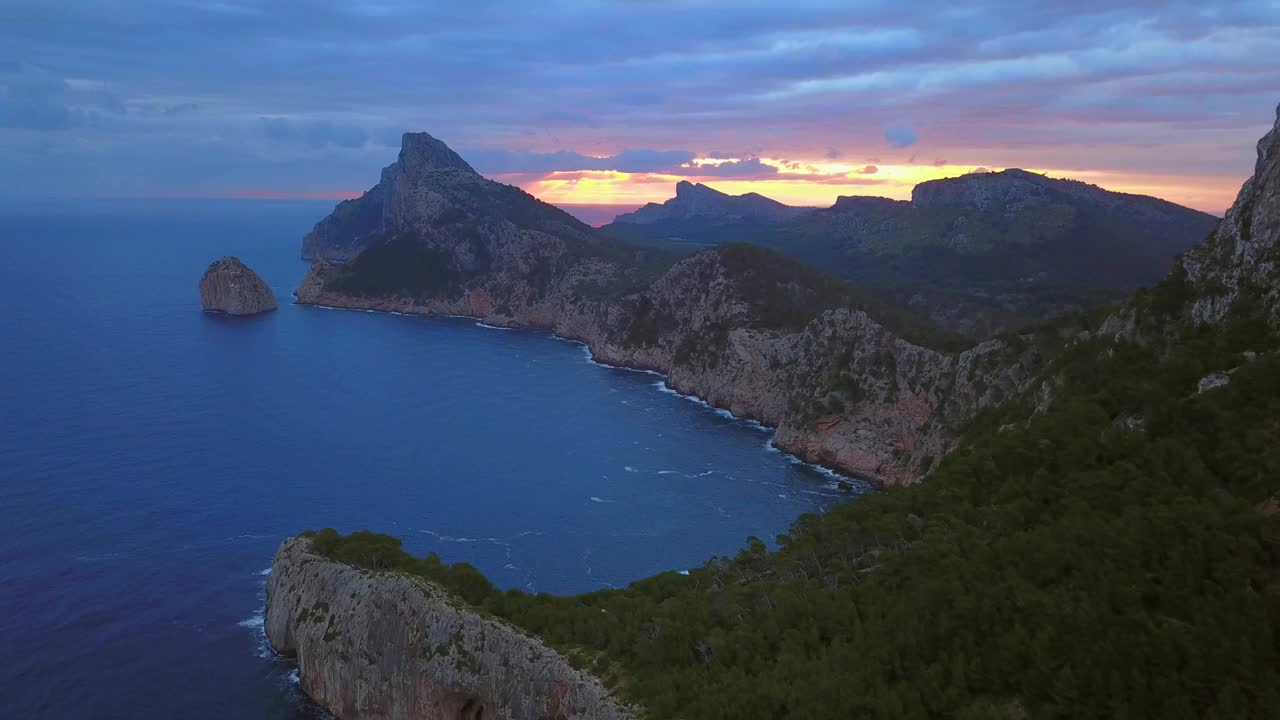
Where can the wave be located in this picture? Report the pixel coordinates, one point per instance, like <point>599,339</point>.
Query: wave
<point>482,324</point>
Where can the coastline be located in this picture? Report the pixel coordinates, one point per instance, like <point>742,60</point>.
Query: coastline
<point>860,484</point>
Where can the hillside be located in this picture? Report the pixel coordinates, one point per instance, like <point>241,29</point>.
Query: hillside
<point>980,253</point>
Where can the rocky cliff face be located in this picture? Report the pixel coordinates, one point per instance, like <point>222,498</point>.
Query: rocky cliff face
<point>230,287</point>
<point>699,202</point>
<point>386,646</point>
<point>1242,257</point>
<point>430,186</point>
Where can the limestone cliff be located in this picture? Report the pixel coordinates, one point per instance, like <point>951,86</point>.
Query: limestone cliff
<point>385,646</point>
<point>1242,256</point>
<point>230,287</point>
<point>430,186</point>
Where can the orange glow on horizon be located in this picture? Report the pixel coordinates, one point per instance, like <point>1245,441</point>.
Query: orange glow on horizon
<point>827,181</point>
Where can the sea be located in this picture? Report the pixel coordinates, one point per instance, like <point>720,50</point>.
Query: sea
<point>153,456</point>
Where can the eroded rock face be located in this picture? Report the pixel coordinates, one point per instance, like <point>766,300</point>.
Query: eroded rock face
<point>387,646</point>
<point>1242,257</point>
<point>230,287</point>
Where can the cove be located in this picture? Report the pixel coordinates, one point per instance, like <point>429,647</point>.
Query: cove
<point>154,456</point>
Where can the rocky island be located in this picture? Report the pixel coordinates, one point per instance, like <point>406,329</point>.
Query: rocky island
<point>230,287</point>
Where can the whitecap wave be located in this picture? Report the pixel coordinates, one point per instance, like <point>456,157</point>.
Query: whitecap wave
<point>662,386</point>
<point>491,327</point>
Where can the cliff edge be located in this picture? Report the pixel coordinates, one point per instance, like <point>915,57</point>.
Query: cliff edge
<point>384,645</point>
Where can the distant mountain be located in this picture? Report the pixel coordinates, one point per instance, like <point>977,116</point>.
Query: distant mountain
<point>979,253</point>
<point>701,203</point>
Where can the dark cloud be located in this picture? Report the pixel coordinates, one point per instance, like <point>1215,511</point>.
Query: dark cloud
<point>869,170</point>
<point>750,168</point>
<point>996,79</point>
<point>900,136</point>
<point>629,161</point>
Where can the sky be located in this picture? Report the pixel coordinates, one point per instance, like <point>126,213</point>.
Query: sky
<point>612,102</point>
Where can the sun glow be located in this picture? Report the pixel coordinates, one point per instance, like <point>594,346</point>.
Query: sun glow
<point>819,183</point>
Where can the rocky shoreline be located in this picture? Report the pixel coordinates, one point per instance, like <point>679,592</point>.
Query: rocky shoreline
<point>863,443</point>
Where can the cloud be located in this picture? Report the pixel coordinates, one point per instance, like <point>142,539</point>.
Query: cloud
<point>751,167</point>
<point>313,133</point>
<point>1086,85</point>
<point>500,161</point>
<point>869,170</point>
<point>900,136</point>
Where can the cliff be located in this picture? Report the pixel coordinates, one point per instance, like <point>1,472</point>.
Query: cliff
<point>1242,257</point>
<point>230,287</point>
<point>384,645</point>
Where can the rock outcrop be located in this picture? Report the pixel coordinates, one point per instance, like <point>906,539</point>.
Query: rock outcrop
<point>1242,257</point>
<point>389,646</point>
<point>230,287</point>
<point>430,186</point>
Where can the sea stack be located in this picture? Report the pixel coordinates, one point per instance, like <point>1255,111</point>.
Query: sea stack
<point>230,287</point>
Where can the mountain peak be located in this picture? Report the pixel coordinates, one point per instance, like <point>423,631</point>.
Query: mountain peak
<point>421,151</point>
<point>686,190</point>
<point>695,200</point>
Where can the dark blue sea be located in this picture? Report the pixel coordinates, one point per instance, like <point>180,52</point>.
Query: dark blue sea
<point>153,456</point>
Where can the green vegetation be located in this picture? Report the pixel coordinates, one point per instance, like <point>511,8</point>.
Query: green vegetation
<point>1115,556</point>
<point>978,271</point>
<point>786,294</point>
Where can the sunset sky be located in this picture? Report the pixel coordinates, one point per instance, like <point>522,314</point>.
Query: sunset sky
<point>597,102</point>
